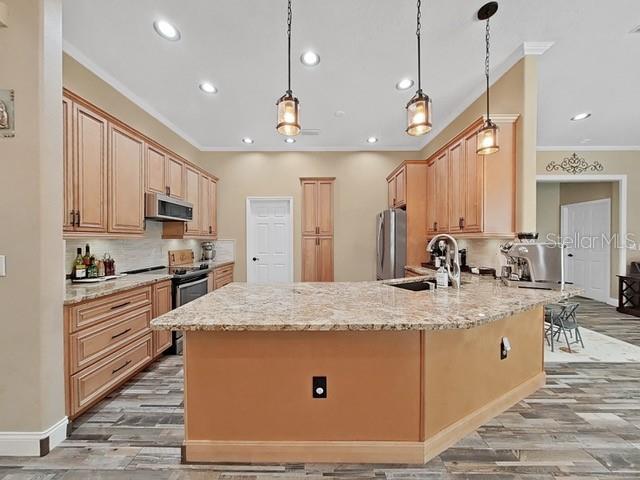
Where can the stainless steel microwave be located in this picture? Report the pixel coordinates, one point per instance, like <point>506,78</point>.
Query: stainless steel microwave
<point>167,209</point>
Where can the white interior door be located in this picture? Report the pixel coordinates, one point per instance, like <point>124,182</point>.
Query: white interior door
<point>587,227</point>
<point>269,240</point>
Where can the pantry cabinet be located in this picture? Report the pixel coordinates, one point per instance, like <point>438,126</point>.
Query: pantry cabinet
<point>317,229</point>
<point>469,194</point>
<point>126,181</point>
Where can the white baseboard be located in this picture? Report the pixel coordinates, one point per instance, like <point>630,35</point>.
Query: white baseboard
<point>33,444</point>
<point>612,301</point>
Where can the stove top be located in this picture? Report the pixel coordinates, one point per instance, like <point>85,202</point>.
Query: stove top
<point>178,271</point>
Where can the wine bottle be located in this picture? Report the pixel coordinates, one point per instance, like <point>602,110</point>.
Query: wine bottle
<point>79,268</point>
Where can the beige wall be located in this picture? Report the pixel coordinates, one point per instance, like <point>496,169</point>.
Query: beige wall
<point>516,92</point>
<point>83,82</point>
<point>548,209</point>
<point>614,163</point>
<point>31,365</point>
<point>360,193</point>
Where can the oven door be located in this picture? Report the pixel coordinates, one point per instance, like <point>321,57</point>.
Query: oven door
<point>188,292</point>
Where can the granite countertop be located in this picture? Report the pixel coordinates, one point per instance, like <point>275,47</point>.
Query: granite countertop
<point>355,306</point>
<point>79,292</point>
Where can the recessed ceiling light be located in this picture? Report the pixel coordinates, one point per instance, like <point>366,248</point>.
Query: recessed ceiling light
<point>339,113</point>
<point>581,116</point>
<point>247,140</point>
<point>404,84</point>
<point>166,30</point>
<point>208,87</point>
<point>310,59</point>
<point>585,140</point>
<point>372,140</point>
<point>289,140</point>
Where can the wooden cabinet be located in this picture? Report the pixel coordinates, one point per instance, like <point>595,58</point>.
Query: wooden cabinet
<point>317,259</point>
<point>317,229</point>
<point>397,188</point>
<point>222,275</point>
<point>193,196</point>
<point>85,169</point>
<point>317,201</point>
<point>176,178</point>
<point>201,191</point>
<point>126,181</point>
<point>162,303</point>
<point>208,227</point>
<point>213,207</point>
<point>155,170</point>
<point>469,194</point>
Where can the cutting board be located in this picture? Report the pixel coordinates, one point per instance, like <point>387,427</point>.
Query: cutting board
<point>180,257</point>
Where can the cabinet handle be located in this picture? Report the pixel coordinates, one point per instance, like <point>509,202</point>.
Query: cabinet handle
<point>120,305</point>
<point>168,190</point>
<point>77,218</point>
<point>73,218</point>
<point>435,226</point>
<point>121,367</point>
<point>461,223</point>
<point>210,230</point>
<point>120,334</point>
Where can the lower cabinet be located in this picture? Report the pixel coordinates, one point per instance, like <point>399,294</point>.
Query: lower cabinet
<point>109,339</point>
<point>219,277</point>
<point>317,259</point>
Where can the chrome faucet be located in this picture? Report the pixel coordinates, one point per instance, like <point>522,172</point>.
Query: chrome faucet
<point>454,275</point>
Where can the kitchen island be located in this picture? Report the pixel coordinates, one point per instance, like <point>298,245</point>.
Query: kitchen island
<point>353,371</point>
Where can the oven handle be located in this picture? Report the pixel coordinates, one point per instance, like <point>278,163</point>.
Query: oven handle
<point>185,285</point>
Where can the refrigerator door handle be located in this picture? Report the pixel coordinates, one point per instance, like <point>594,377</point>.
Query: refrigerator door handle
<point>380,250</point>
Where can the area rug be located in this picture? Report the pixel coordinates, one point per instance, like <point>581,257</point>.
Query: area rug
<point>597,348</point>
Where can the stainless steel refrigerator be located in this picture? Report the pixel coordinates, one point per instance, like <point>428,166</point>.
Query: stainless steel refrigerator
<point>391,243</point>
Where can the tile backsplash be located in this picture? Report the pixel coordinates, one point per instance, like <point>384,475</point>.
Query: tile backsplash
<point>150,250</point>
<point>484,252</point>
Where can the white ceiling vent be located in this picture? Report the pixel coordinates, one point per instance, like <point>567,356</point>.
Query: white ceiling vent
<point>635,30</point>
<point>309,131</point>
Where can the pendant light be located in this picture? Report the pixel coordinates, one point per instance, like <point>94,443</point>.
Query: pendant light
<point>488,135</point>
<point>419,107</point>
<point>288,105</point>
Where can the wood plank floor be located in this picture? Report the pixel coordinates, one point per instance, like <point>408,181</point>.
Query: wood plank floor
<point>585,424</point>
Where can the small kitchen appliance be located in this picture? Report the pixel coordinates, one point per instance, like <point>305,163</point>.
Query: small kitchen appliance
<point>208,252</point>
<point>533,264</point>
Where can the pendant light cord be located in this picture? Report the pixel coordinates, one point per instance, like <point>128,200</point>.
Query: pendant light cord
<point>486,64</point>
<point>418,28</point>
<point>289,15</point>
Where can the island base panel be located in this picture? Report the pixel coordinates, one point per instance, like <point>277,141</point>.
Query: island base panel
<point>392,396</point>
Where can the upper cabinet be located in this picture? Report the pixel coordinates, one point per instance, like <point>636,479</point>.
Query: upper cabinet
<point>126,181</point>
<point>397,187</point>
<point>317,200</point>
<point>108,166</point>
<point>470,194</point>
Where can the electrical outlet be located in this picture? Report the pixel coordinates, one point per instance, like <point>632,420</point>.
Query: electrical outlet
<point>505,348</point>
<point>3,266</point>
<point>319,387</point>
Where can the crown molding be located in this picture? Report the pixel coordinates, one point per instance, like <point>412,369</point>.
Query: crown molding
<point>502,117</point>
<point>258,149</point>
<point>589,148</point>
<point>536,48</point>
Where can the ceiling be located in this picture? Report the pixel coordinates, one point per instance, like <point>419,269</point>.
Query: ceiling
<point>365,46</point>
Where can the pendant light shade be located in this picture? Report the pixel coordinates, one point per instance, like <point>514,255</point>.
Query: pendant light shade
<point>487,139</point>
<point>419,107</point>
<point>288,115</point>
<point>419,115</point>
<point>288,105</point>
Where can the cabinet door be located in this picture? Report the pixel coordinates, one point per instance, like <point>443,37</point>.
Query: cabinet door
<point>69,204</point>
<point>401,187</point>
<point>175,173</point>
<point>126,181</point>
<point>155,168</point>
<point>324,259</point>
<point>90,151</point>
<point>474,182</point>
<point>162,304</point>
<point>205,204</point>
<point>325,207</point>
<point>309,207</point>
<point>193,196</point>
<point>441,173</point>
<point>309,259</point>
<point>456,179</point>
<point>213,207</point>
<point>431,198</point>
<point>391,192</point>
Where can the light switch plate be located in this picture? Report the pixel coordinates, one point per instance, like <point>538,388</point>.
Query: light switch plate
<point>3,266</point>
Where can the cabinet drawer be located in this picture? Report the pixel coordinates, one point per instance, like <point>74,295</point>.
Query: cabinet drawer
<point>222,281</point>
<point>91,344</point>
<point>95,381</point>
<point>224,271</point>
<point>96,311</point>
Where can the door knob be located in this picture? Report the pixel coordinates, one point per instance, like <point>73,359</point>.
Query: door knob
<point>570,255</point>
<point>255,259</point>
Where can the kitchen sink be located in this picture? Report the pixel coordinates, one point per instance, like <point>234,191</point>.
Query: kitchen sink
<point>414,286</point>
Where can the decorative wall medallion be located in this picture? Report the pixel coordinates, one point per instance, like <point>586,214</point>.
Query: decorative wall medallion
<point>7,109</point>
<point>574,165</point>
